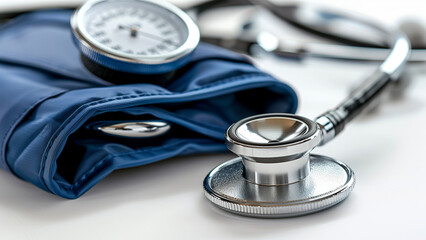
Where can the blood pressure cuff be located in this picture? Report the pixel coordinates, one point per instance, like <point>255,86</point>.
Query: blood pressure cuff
<point>49,105</point>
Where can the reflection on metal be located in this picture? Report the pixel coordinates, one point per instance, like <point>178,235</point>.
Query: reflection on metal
<point>328,183</point>
<point>144,129</point>
<point>275,175</point>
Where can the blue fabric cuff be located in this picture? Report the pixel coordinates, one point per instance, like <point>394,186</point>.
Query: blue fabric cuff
<point>49,101</point>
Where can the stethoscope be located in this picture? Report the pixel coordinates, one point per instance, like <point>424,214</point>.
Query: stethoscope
<point>312,19</point>
<point>275,175</point>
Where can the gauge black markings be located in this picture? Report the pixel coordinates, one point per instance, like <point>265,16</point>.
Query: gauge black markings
<point>161,25</point>
<point>135,31</point>
<point>99,34</point>
<point>105,41</point>
<point>100,24</point>
<point>154,19</point>
<point>120,40</point>
<point>165,33</point>
<point>116,47</point>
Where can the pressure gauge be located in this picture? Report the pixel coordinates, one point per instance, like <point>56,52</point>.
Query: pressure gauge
<point>131,37</point>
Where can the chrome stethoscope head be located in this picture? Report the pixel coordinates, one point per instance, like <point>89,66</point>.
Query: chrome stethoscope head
<point>275,175</point>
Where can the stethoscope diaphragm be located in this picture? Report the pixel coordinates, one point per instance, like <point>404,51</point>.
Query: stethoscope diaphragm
<point>275,175</point>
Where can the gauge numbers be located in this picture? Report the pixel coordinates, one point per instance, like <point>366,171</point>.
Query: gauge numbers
<point>135,29</point>
<point>142,37</point>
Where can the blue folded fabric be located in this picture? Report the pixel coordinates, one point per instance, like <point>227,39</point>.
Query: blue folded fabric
<point>49,101</point>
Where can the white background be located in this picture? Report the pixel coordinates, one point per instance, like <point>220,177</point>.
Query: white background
<point>165,200</point>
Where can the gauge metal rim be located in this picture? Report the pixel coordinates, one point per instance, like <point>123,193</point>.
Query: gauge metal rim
<point>311,204</point>
<point>116,60</point>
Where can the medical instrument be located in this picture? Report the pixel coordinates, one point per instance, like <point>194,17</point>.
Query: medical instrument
<point>363,42</point>
<point>275,175</point>
<point>348,44</point>
<point>62,127</point>
<point>120,40</point>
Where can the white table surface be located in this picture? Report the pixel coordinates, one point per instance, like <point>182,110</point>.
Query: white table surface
<point>165,200</point>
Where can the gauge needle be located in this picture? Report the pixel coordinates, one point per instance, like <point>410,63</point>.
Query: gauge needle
<point>134,31</point>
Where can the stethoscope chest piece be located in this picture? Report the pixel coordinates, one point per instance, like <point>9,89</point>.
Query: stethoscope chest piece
<point>275,175</point>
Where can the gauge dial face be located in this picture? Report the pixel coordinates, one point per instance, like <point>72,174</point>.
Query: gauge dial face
<point>133,29</point>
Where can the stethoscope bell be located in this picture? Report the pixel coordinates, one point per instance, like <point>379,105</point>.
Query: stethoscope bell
<point>275,175</point>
